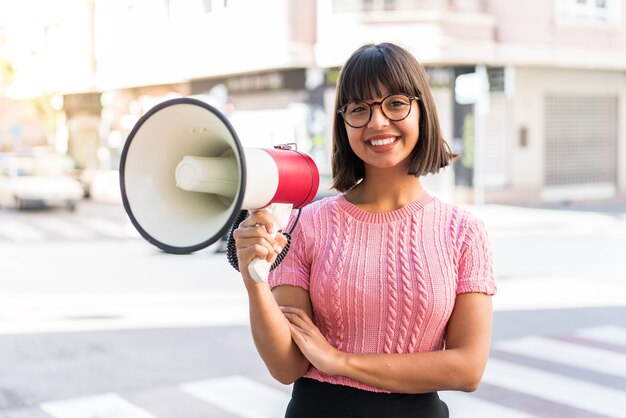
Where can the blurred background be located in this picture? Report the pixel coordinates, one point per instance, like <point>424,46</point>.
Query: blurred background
<point>94,322</point>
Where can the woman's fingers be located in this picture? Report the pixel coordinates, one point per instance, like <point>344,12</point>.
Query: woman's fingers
<point>294,310</point>
<point>254,238</point>
<point>298,334</point>
<point>297,317</point>
<point>281,241</point>
<point>259,218</point>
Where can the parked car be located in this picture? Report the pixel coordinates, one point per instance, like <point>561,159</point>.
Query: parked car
<point>37,181</point>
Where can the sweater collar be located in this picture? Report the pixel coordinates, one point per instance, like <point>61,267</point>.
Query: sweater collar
<point>394,215</point>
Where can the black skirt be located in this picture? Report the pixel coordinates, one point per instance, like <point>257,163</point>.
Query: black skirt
<point>313,399</point>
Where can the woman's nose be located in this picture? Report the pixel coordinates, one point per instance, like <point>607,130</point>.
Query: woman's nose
<point>378,118</point>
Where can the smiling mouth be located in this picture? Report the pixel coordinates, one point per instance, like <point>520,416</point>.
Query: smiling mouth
<point>381,142</point>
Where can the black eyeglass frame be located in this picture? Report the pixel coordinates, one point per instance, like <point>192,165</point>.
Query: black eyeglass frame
<point>342,109</point>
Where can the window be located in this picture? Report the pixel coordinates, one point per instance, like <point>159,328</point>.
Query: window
<point>340,6</point>
<point>581,135</point>
<point>588,11</point>
<point>211,6</point>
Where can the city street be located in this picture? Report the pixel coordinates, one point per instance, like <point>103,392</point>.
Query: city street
<point>96,322</point>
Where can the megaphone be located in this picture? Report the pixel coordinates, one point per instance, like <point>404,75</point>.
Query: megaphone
<point>185,177</point>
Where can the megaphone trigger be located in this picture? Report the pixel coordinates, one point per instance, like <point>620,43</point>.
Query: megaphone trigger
<point>259,268</point>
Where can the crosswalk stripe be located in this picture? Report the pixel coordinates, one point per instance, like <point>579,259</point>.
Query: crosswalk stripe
<point>108,405</point>
<point>607,334</point>
<point>561,352</point>
<point>462,405</point>
<point>106,227</point>
<point>40,229</point>
<point>20,231</point>
<point>240,396</point>
<point>567,391</point>
<point>62,228</point>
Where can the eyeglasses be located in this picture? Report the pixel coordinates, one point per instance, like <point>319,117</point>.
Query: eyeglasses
<point>395,107</point>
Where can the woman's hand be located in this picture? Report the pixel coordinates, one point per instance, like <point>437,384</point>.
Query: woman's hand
<point>253,238</point>
<point>311,342</point>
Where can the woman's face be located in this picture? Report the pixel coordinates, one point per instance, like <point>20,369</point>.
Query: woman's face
<point>382,143</point>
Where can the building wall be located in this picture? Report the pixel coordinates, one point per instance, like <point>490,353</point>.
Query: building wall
<point>148,44</point>
<point>538,32</point>
<point>538,22</point>
<point>50,46</point>
<point>532,86</point>
<point>127,46</point>
<point>433,31</point>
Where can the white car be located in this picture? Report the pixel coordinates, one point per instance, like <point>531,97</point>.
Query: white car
<point>27,181</point>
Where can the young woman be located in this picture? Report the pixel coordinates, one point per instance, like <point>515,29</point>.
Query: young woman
<point>385,295</point>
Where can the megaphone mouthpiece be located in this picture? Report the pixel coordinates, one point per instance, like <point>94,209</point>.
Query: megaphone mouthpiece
<point>215,175</point>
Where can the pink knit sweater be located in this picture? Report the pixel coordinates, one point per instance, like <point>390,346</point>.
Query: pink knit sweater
<point>385,282</point>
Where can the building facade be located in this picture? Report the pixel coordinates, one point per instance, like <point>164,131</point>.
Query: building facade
<point>532,94</point>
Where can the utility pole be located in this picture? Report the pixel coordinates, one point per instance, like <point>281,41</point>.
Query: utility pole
<point>481,111</point>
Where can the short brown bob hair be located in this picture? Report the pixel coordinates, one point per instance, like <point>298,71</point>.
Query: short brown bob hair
<point>368,68</point>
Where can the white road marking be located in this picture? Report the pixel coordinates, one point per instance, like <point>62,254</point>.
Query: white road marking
<point>106,227</point>
<point>240,396</point>
<point>20,231</point>
<point>62,227</point>
<point>609,334</point>
<point>570,354</point>
<point>576,393</point>
<point>463,405</point>
<point>108,405</point>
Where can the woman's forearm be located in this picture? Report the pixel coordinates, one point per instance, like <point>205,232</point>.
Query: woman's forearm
<point>459,367</point>
<point>272,337</point>
<point>414,373</point>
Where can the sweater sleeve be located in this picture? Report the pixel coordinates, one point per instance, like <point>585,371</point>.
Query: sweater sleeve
<point>475,268</point>
<point>295,268</point>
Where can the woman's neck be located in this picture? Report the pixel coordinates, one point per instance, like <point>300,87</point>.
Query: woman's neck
<point>385,191</point>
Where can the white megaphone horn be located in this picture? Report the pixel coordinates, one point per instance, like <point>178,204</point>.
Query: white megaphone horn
<point>185,177</point>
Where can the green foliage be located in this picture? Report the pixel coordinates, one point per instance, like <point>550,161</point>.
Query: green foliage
<point>467,159</point>
<point>6,71</point>
<point>45,111</point>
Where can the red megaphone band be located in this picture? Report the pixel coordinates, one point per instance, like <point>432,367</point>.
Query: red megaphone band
<point>298,177</point>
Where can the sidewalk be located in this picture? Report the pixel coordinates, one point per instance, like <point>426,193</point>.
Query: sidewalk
<point>503,217</point>
<point>557,257</point>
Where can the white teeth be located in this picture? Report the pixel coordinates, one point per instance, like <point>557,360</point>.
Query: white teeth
<point>379,142</point>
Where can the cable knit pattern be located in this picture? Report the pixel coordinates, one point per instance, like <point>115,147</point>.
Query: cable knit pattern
<point>336,293</point>
<point>454,227</point>
<point>420,283</point>
<point>385,282</point>
<point>329,276</point>
<point>407,290</point>
<point>392,300</point>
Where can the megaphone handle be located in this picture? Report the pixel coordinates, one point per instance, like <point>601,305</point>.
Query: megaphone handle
<point>259,268</point>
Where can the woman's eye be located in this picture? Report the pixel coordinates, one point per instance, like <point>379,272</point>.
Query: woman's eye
<point>356,109</point>
<point>397,103</point>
